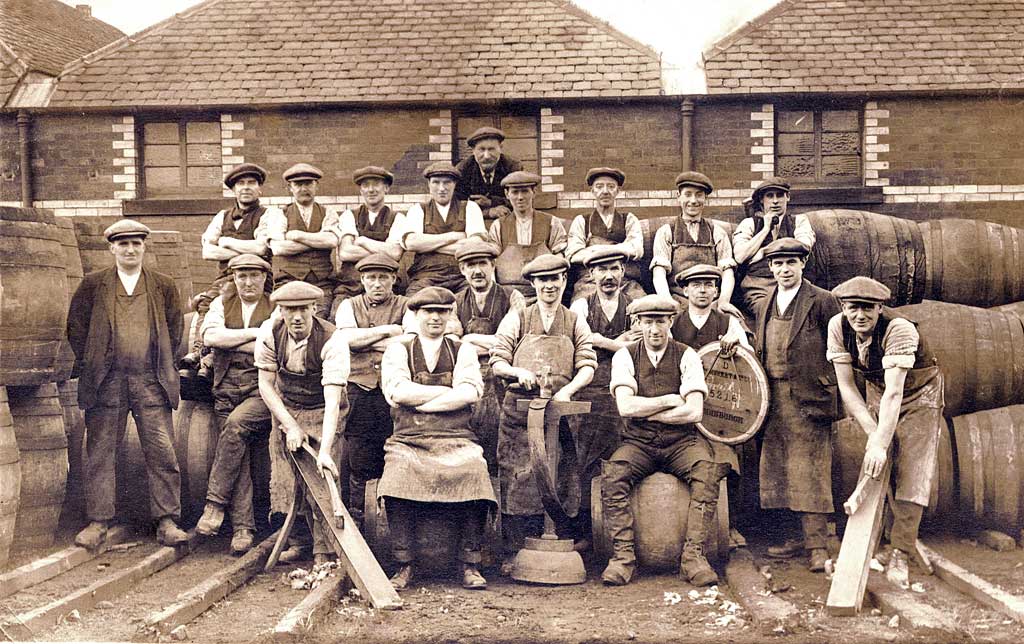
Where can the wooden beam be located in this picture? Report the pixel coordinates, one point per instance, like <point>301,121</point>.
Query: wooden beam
<point>846,595</point>
<point>912,609</point>
<point>974,586</point>
<point>55,564</point>
<point>857,498</point>
<point>297,623</point>
<point>196,600</point>
<point>771,613</point>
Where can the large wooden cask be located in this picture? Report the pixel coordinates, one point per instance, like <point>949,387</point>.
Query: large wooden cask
<point>171,258</point>
<point>195,444</point>
<point>35,298</point>
<point>973,262</point>
<point>10,478</point>
<point>73,512</point>
<point>72,259</point>
<point>990,451</point>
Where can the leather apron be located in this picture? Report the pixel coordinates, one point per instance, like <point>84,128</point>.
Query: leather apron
<point>508,266</point>
<point>687,251</point>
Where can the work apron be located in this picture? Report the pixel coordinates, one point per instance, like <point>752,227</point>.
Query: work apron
<point>487,410</point>
<point>687,251</point>
<point>508,266</point>
<point>282,478</point>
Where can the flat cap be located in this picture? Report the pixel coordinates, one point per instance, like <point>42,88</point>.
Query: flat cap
<point>373,172</point>
<point>786,247</point>
<point>475,247</point>
<point>546,264</point>
<point>485,133</point>
<point>126,228</point>
<point>695,179</point>
<point>604,255</point>
<point>776,183</point>
<point>614,173</point>
<point>442,169</point>
<point>862,289</point>
<point>520,178</point>
<point>244,170</point>
<point>248,260</point>
<point>377,262</point>
<point>698,271</point>
<point>653,305</point>
<point>301,171</point>
<point>296,294</point>
<point>432,297</point>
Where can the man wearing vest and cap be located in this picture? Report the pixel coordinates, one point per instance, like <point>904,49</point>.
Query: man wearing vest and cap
<point>481,173</point>
<point>124,325</point>
<point>303,372</point>
<point>606,226</point>
<point>434,230</point>
<point>659,388</point>
<point>702,323</point>
<point>432,462</point>
<point>369,322</point>
<point>903,412</point>
<point>768,223</point>
<point>692,239</point>
<point>303,236</point>
<point>545,348</point>
<point>369,229</point>
<point>479,309</point>
<point>230,328</point>
<point>524,233</point>
<point>791,333</point>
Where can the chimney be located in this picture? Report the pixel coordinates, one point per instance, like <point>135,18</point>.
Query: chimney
<point>84,8</point>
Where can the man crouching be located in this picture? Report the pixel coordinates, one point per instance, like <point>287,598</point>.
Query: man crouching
<point>659,387</point>
<point>432,461</point>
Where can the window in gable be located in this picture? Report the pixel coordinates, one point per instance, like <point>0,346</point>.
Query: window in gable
<point>181,158</point>
<point>819,146</point>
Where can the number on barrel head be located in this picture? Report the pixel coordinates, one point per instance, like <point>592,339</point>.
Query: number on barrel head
<point>737,400</point>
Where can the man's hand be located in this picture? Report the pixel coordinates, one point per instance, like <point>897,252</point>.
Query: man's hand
<point>728,345</point>
<point>562,395</point>
<point>874,461</point>
<point>325,462</point>
<point>729,309</point>
<point>629,336</point>
<point>481,200</point>
<point>293,436</point>
<point>526,378</point>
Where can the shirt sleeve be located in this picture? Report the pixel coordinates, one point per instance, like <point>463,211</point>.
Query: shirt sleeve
<point>580,308</point>
<point>506,338</point>
<point>723,247</point>
<point>345,317</point>
<point>474,220</point>
<point>212,234</point>
<point>835,351</point>
<point>576,237</point>
<point>413,223</point>
<point>394,370</point>
<point>273,225</point>
<point>802,231</point>
<point>397,229</point>
<point>899,345</point>
<point>662,250</point>
<point>584,356</point>
<point>634,236</point>
<point>744,232</point>
<point>622,372</point>
<point>557,238</point>
<point>467,369</point>
<point>494,234</point>
<point>736,328</point>
<point>347,225</point>
<point>330,222</point>
<point>409,324</point>
<point>691,377</point>
<point>335,361</point>
<point>214,317</point>
<point>265,354</point>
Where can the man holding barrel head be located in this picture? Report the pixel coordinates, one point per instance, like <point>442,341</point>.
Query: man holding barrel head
<point>903,412</point>
<point>124,326</point>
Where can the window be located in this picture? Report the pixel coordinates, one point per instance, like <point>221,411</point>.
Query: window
<point>819,146</point>
<point>181,158</point>
<point>521,140</point>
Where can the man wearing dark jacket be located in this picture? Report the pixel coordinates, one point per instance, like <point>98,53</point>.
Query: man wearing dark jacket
<point>124,325</point>
<point>482,173</point>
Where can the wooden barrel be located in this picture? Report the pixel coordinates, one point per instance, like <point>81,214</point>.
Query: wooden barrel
<point>973,262</point>
<point>93,248</point>
<point>10,478</point>
<point>195,444</point>
<point>43,445</point>
<point>73,512</point>
<point>35,299</point>
<point>990,451</point>
<point>853,242</point>
<point>980,352</point>
<point>72,259</point>
<point>1016,308</point>
<point>171,258</point>
<point>660,505</point>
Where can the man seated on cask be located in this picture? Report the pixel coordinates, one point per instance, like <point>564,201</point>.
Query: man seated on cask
<point>432,461</point>
<point>902,415</point>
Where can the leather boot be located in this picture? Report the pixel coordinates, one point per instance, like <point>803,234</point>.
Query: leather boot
<point>92,536</point>
<point>618,519</point>
<point>693,565</point>
<point>209,523</point>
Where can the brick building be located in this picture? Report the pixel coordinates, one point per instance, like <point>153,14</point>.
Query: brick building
<point>909,108</point>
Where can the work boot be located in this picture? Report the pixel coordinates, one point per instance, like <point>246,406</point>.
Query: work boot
<point>241,541</point>
<point>619,571</point>
<point>472,579</point>
<point>787,549</point>
<point>817,559</point>
<point>295,552</point>
<point>897,571</point>
<point>92,536</point>
<point>401,579</point>
<point>209,523</point>
<point>169,534</point>
<point>618,519</point>
<point>694,567</point>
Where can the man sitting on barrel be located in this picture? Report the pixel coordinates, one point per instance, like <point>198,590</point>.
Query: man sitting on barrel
<point>659,388</point>
<point>432,461</point>
<point>904,402</point>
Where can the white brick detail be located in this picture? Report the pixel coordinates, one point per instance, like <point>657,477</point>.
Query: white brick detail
<point>875,149</point>
<point>552,137</point>
<point>124,177</point>
<point>440,139</point>
<point>762,148</point>
<point>952,193</point>
<point>232,142</point>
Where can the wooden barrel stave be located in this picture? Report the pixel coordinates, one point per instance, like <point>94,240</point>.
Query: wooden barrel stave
<point>73,512</point>
<point>195,444</point>
<point>990,446</point>
<point>10,478</point>
<point>973,262</point>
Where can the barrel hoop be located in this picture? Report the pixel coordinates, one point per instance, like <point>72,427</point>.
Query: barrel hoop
<point>9,455</point>
<point>919,265</point>
<point>42,443</point>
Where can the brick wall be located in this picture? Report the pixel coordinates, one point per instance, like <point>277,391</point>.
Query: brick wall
<point>722,143</point>
<point>73,156</point>
<point>10,164</point>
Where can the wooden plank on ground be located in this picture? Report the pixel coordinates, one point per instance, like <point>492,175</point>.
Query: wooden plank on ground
<point>55,564</point>
<point>846,595</point>
<point>297,623</point>
<point>196,600</point>
<point>772,614</point>
<point>912,609</point>
<point>974,586</point>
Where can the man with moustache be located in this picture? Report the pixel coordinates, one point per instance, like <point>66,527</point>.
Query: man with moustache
<point>230,328</point>
<point>606,226</point>
<point>481,174</point>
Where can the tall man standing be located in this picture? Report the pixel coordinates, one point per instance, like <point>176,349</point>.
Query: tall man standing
<point>796,446</point>
<point>903,410</point>
<point>230,328</point>
<point>124,324</point>
<point>481,174</point>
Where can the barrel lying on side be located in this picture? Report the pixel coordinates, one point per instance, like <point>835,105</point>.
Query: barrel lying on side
<point>990,451</point>
<point>10,478</point>
<point>973,262</point>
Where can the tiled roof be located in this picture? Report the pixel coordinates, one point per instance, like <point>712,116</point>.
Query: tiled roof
<point>239,52</point>
<point>47,34</point>
<point>873,45</point>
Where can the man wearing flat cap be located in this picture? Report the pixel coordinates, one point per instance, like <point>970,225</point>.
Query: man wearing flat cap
<point>693,239</point>
<point>230,328</point>
<point>524,233</point>
<point>432,462</point>
<point>902,415</point>
<point>769,222</point>
<point>434,230</point>
<point>124,326</point>
<point>303,236</point>
<point>544,350</point>
<point>303,373</point>
<point>481,174</point>
<point>371,228</point>
<point>702,323</point>
<point>791,332</point>
<point>606,226</point>
<point>659,389</point>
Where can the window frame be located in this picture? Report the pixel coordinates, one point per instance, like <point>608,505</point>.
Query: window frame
<point>817,109</point>
<point>183,191</point>
<point>496,114</point>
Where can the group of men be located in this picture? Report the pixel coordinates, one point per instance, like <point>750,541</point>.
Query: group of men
<point>310,336</point>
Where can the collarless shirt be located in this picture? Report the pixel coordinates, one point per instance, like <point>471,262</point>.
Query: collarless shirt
<point>129,281</point>
<point>785,297</point>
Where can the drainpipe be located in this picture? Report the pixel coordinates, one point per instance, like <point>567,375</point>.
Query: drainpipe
<point>24,122</point>
<point>686,144</point>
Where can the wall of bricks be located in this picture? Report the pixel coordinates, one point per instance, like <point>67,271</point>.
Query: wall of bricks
<point>73,156</point>
<point>10,165</point>
<point>722,143</point>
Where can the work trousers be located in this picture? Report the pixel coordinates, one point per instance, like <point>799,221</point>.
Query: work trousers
<point>243,429</point>
<point>469,516</point>
<point>105,423</point>
<point>906,521</point>
<point>368,426</point>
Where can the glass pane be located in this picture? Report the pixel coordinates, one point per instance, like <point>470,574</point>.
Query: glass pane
<point>160,132</point>
<point>203,154</point>
<point>163,179</point>
<point>162,155</point>
<point>840,166</point>
<point>840,143</point>
<point>200,132</point>
<point>519,126</point>
<point>795,121</point>
<point>840,121</point>
<point>795,166</point>
<point>204,177</point>
<point>796,144</point>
